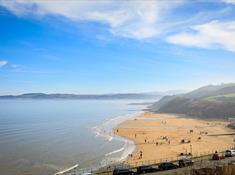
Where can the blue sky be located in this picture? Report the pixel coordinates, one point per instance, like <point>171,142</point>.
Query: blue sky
<point>115,46</point>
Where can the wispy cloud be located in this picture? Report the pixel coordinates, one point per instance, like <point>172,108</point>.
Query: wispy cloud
<point>133,19</point>
<point>32,71</point>
<point>3,63</point>
<point>214,34</point>
<point>17,68</point>
<point>229,1</point>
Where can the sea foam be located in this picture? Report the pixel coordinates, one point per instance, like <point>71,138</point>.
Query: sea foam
<point>105,130</point>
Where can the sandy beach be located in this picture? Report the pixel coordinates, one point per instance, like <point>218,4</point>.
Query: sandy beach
<point>161,137</point>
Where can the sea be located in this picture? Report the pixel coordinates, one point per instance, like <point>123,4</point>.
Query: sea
<point>42,137</point>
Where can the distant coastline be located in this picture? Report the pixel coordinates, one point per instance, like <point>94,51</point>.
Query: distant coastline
<point>82,97</point>
<point>146,95</point>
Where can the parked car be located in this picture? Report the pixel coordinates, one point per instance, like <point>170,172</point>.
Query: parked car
<point>146,169</point>
<point>217,156</point>
<point>86,174</point>
<point>230,153</point>
<point>167,166</point>
<point>185,162</point>
<point>123,171</point>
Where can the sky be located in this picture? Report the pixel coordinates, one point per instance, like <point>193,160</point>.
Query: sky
<point>115,46</point>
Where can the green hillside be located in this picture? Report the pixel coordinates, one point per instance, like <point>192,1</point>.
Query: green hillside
<point>206,102</point>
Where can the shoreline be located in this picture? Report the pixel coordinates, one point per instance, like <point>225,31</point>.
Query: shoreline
<point>105,131</point>
<point>158,137</point>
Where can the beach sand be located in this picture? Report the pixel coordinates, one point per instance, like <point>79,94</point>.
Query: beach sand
<point>159,137</point>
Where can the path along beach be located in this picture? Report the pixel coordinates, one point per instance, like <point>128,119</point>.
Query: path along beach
<point>161,137</point>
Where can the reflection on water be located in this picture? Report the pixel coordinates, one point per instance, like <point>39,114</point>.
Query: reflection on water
<point>44,136</point>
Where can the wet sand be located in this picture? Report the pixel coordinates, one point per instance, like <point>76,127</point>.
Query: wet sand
<point>159,137</point>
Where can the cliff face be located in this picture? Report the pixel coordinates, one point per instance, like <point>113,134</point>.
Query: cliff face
<point>206,102</point>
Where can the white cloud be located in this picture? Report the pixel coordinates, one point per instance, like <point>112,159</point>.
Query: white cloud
<point>229,1</point>
<point>3,63</point>
<point>213,34</point>
<point>133,19</point>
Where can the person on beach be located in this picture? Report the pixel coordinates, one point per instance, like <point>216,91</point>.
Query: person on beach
<point>141,154</point>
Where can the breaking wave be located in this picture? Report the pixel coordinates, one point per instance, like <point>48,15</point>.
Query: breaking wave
<point>105,130</point>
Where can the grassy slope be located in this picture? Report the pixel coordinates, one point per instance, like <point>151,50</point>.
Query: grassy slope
<point>221,98</point>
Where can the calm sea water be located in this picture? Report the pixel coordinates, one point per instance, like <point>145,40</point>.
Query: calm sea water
<point>44,136</point>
